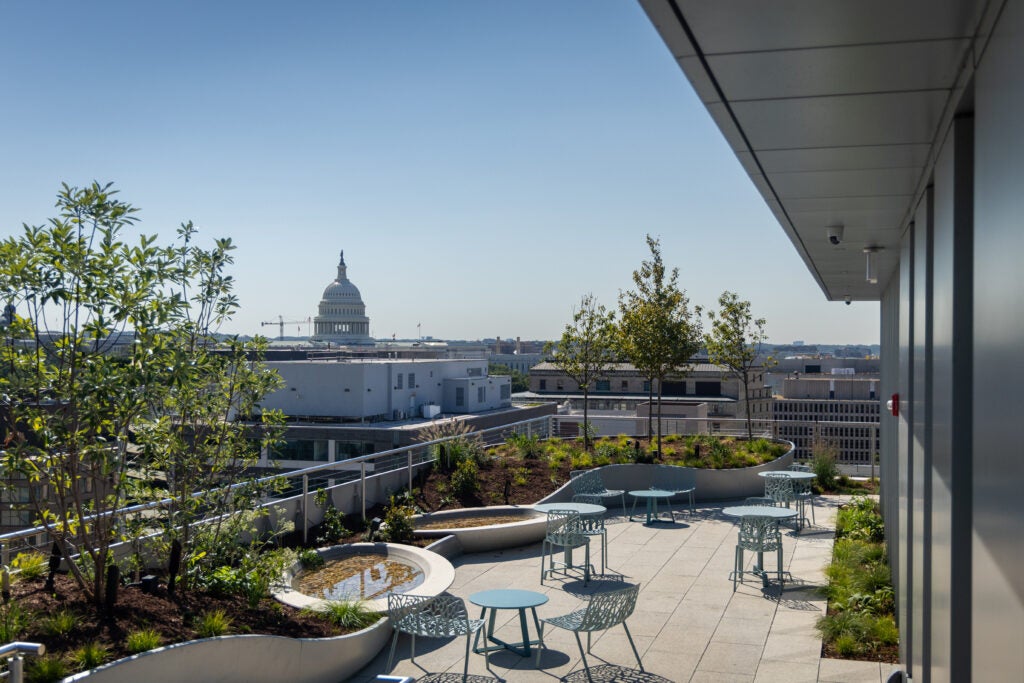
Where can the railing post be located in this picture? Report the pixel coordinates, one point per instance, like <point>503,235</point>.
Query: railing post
<point>305,509</point>
<point>362,477</point>
<point>16,668</point>
<point>409,465</point>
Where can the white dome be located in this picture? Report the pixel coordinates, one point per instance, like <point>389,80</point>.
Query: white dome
<point>342,314</point>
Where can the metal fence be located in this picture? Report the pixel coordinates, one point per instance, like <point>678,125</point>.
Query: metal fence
<point>354,484</point>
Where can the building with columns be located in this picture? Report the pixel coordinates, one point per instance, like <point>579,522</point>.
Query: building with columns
<point>341,316</point>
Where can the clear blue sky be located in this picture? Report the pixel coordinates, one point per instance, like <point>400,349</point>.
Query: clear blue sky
<point>482,164</point>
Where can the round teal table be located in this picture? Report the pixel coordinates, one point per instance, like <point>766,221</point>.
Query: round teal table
<point>503,598</point>
<point>651,496</point>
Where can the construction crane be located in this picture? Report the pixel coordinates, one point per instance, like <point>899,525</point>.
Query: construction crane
<point>281,322</point>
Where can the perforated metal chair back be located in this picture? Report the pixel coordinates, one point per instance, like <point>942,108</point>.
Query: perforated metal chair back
<point>779,487</point>
<point>564,528</point>
<point>797,467</point>
<point>759,534</point>
<point>588,483</point>
<point>430,616</point>
<point>605,610</point>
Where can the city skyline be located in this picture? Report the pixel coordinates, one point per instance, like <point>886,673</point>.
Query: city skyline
<point>482,166</point>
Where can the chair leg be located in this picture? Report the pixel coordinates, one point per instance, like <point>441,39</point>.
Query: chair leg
<point>391,656</point>
<point>632,645</point>
<point>737,568</point>
<point>465,666</point>
<point>586,667</point>
<point>586,562</point>
<point>779,560</point>
<point>412,649</point>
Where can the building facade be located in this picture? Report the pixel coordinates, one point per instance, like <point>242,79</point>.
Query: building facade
<point>839,411</point>
<point>902,124</point>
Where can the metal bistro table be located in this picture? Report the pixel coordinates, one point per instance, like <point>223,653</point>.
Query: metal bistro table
<point>778,514</point>
<point>651,496</point>
<point>796,476</point>
<point>501,598</point>
<point>592,516</point>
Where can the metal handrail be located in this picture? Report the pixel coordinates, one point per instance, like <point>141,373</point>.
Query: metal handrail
<point>16,664</point>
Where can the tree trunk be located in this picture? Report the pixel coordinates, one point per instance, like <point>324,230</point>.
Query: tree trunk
<point>586,433</point>
<point>746,402</point>
<point>650,408</point>
<point>659,419</point>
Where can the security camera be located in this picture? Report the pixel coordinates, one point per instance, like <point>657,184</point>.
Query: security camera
<point>848,302</point>
<point>835,234</point>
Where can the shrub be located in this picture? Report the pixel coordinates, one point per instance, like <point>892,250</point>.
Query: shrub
<point>142,640</point>
<point>519,476</point>
<point>60,623</point>
<point>310,558</point>
<point>332,528</point>
<point>213,624</point>
<point>353,615</point>
<point>581,460</point>
<point>30,565</point>
<point>528,447</point>
<point>397,525</point>
<point>823,464</point>
<point>90,655</point>
<point>13,620</point>
<point>46,669</point>
<point>465,478</point>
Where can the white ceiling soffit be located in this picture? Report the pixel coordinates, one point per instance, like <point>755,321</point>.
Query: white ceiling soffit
<point>833,109</point>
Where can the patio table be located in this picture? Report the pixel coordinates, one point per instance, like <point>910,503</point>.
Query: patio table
<point>797,476</point>
<point>502,598</point>
<point>778,514</point>
<point>651,496</point>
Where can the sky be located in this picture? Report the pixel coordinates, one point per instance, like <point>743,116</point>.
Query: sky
<point>482,164</point>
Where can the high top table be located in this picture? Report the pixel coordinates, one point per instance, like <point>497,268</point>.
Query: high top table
<point>778,514</point>
<point>502,598</point>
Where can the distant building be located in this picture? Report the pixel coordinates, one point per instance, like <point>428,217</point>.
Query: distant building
<point>341,317</point>
<point>520,362</point>
<point>840,409</point>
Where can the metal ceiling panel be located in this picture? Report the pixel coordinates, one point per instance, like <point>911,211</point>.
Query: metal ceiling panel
<point>837,158</point>
<point>892,67</point>
<point>860,183</point>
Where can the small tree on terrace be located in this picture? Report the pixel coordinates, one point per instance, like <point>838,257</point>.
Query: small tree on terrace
<point>657,330</point>
<point>74,403</point>
<point>735,342</point>
<point>586,350</point>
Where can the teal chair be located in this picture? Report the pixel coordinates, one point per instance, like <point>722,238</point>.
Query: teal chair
<point>589,483</point>
<point>679,480</point>
<point>760,535</point>
<point>565,530</point>
<point>441,616</point>
<point>603,611</point>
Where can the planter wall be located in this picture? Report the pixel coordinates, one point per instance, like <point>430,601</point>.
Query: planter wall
<point>241,659</point>
<point>712,485</point>
<point>491,537</point>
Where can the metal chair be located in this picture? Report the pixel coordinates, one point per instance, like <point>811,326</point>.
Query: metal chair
<point>603,611</point>
<point>678,480</point>
<point>804,491</point>
<point>564,530</point>
<point>797,467</point>
<point>441,616</point>
<point>593,525</point>
<point>782,490</point>
<point>761,535</point>
<point>590,483</point>
<point>760,500</point>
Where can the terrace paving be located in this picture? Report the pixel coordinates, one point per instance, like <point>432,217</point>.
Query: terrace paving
<point>688,625</point>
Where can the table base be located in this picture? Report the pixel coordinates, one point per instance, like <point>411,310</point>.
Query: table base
<point>522,648</point>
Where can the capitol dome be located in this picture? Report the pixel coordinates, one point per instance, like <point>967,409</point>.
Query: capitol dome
<point>341,317</point>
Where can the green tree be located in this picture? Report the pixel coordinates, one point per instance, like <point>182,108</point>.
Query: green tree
<point>76,396</point>
<point>657,330</point>
<point>586,350</point>
<point>735,341</point>
<point>520,382</point>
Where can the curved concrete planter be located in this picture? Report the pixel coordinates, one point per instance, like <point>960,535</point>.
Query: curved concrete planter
<point>438,573</point>
<point>240,659</point>
<point>711,484</point>
<point>480,539</point>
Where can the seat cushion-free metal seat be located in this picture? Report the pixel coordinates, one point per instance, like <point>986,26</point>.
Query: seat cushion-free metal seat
<point>603,611</point>
<point>565,531</point>
<point>804,490</point>
<point>678,480</point>
<point>593,525</point>
<point>441,616</point>
<point>760,535</point>
<point>782,489</point>
<point>590,483</point>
